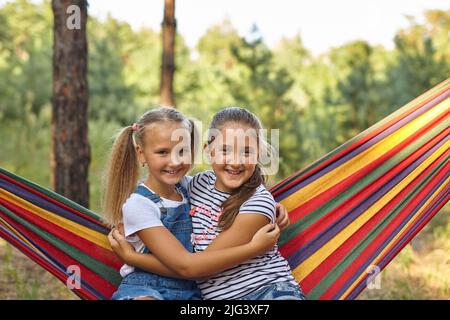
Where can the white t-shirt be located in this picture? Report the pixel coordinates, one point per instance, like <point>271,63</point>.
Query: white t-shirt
<point>141,213</point>
<point>250,275</point>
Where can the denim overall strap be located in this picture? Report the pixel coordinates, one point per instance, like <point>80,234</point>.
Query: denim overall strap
<point>143,191</point>
<point>183,190</point>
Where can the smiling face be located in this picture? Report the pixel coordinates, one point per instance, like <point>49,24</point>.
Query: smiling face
<point>233,155</point>
<point>167,159</point>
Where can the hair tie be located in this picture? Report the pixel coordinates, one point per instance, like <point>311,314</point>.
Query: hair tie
<point>135,126</point>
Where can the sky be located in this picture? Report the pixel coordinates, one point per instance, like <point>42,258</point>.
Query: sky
<point>321,23</point>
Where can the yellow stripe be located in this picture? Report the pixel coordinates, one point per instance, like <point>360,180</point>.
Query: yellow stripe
<point>391,244</point>
<point>6,225</point>
<point>80,230</point>
<point>307,266</point>
<point>21,237</point>
<point>14,231</point>
<point>358,162</point>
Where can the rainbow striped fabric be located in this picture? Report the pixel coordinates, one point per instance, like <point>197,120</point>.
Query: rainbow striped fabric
<point>351,211</point>
<point>355,208</point>
<point>59,235</point>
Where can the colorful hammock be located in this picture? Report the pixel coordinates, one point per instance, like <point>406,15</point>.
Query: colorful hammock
<point>351,211</point>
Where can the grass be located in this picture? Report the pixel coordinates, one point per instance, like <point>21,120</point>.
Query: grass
<point>23,279</point>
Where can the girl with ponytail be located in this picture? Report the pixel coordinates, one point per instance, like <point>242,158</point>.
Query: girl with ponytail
<point>229,206</point>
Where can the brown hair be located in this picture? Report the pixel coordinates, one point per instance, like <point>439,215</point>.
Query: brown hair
<point>231,206</point>
<point>123,169</point>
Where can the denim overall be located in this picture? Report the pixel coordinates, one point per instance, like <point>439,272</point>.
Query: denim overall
<point>141,283</point>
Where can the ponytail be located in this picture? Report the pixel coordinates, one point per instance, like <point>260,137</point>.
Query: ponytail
<point>122,176</point>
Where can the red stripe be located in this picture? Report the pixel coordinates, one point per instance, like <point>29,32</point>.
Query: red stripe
<point>353,146</point>
<point>322,269</point>
<point>381,238</point>
<point>100,284</point>
<point>430,215</point>
<point>60,204</point>
<point>321,225</point>
<point>88,247</point>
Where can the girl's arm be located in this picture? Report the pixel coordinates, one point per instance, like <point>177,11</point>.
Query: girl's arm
<point>169,251</point>
<point>241,231</point>
<point>124,250</point>
<point>150,263</point>
<point>247,223</point>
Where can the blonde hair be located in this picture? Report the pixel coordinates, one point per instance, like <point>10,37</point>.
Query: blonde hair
<point>122,173</point>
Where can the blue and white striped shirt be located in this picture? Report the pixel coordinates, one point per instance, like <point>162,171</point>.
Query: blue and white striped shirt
<point>236,282</point>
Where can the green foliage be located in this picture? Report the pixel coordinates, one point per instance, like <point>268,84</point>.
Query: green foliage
<point>422,57</point>
<point>25,139</point>
<point>262,86</point>
<point>25,58</point>
<point>110,97</point>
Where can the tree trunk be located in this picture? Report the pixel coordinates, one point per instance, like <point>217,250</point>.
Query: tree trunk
<point>168,45</point>
<point>71,152</point>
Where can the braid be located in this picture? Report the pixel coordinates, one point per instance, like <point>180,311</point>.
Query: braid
<point>231,206</point>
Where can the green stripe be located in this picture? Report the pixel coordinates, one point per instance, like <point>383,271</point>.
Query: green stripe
<point>354,253</point>
<point>364,133</point>
<point>324,209</point>
<point>103,270</point>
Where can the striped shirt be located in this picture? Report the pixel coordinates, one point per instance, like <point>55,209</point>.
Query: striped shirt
<point>250,275</point>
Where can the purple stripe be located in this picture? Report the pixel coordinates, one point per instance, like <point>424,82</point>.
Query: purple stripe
<point>357,290</point>
<point>363,147</point>
<point>50,206</point>
<point>383,245</point>
<point>308,249</point>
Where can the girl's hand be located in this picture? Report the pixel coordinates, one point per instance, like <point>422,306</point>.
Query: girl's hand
<point>120,228</point>
<point>120,245</point>
<point>265,238</point>
<point>282,216</point>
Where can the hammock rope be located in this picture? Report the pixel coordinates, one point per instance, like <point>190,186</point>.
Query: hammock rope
<point>351,211</point>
